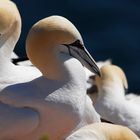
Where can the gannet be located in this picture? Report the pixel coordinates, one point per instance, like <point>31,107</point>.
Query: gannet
<point>56,103</point>
<point>92,88</point>
<point>10,29</point>
<point>111,103</point>
<point>103,131</point>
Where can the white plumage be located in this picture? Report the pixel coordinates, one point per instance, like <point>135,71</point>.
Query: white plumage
<point>132,97</point>
<point>111,103</point>
<point>56,103</point>
<point>10,29</point>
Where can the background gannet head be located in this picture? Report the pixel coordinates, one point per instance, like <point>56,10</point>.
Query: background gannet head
<point>103,131</point>
<point>10,23</point>
<point>111,75</point>
<point>48,35</point>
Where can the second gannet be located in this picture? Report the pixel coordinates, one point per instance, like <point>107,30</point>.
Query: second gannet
<point>10,29</point>
<point>103,131</point>
<point>111,103</point>
<point>56,103</point>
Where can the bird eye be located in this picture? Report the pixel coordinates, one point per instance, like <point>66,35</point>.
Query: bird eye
<point>78,44</point>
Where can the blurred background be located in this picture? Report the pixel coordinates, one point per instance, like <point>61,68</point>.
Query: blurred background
<point>110,29</point>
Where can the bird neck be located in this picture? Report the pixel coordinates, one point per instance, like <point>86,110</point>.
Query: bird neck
<point>56,65</point>
<point>66,68</point>
<point>8,42</point>
<point>70,88</point>
<point>111,89</point>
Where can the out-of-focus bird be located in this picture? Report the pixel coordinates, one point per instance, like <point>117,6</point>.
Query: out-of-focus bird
<point>10,29</point>
<point>103,131</point>
<point>91,86</point>
<point>111,103</point>
<point>90,74</point>
<point>56,103</point>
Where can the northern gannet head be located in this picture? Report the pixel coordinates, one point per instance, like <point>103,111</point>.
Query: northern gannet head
<point>111,75</point>
<point>10,24</point>
<point>54,31</point>
<point>103,131</point>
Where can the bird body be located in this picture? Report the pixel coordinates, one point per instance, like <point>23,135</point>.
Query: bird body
<point>10,29</point>
<point>57,101</point>
<point>111,103</point>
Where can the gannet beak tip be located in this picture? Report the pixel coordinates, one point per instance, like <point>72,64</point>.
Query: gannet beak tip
<point>97,71</point>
